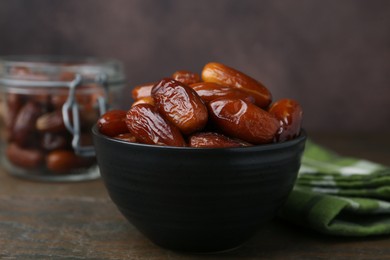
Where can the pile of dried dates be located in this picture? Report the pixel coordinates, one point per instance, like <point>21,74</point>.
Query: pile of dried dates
<point>221,108</point>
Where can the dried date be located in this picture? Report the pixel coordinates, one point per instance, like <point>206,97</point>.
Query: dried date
<point>149,127</point>
<point>62,161</point>
<point>51,122</point>
<point>289,113</point>
<point>113,123</point>
<point>243,120</point>
<point>186,77</point>
<point>142,91</point>
<point>181,105</point>
<point>28,158</point>
<point>226,76</point>
<point>209,91</point>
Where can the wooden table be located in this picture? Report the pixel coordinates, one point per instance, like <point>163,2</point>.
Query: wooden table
<point>78,221</point>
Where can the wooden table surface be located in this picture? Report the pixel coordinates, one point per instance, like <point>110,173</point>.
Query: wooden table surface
<point>78,221</point>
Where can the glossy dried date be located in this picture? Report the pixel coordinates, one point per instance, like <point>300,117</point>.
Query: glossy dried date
<point>186,77</point>
<point>142,91</point>
<point>289,113</point>
<point>180,105</point>
<point>214,140</point>
<point>24,127</point>
<point>51,122</point>
<point>226,76</point>
<point>243,120</point>
<point>28,158</point>
<point>209,91</point>
<point>113,123</point>
<point>144,100</point>
<point>149,127</point>
<point>62,161</point>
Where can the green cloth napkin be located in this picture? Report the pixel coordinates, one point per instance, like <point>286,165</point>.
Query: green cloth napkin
<point>339,195</point>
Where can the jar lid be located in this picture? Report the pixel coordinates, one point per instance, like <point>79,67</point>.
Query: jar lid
<point>52,71</point>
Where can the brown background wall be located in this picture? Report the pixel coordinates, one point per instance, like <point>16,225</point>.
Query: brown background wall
<point>332,56</point>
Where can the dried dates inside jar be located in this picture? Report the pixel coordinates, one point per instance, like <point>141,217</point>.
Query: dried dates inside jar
<point>35,142</point>
<point>34,129</point>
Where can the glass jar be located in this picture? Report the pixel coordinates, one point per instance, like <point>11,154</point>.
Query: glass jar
<point>47,108</point>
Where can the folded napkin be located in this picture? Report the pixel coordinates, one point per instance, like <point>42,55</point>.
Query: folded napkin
<point>339,195</point>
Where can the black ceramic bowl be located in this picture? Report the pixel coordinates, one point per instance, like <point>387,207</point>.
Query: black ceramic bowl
<point>197,199</point>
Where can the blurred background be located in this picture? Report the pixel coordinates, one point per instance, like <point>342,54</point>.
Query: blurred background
<point>332,56</point>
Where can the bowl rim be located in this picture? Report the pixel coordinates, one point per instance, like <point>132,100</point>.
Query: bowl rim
<point>271,146</point>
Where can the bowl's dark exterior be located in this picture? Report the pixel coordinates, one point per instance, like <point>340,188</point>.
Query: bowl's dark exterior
<point>199,200</point>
